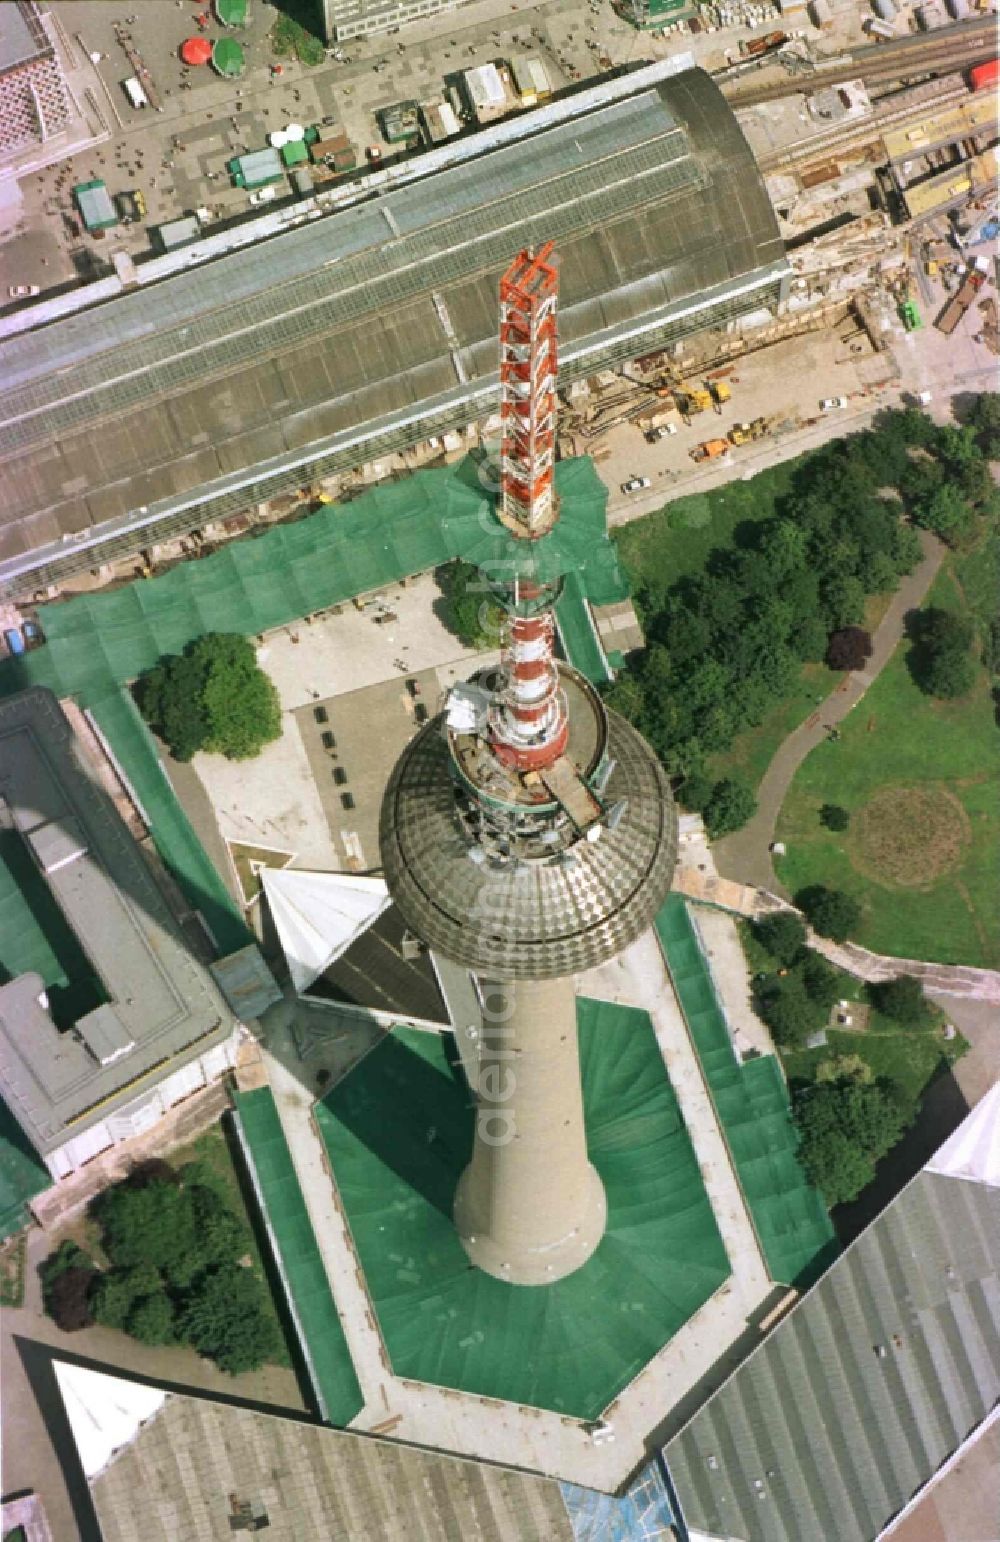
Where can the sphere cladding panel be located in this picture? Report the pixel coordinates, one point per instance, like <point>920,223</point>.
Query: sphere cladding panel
<point>532,921</point>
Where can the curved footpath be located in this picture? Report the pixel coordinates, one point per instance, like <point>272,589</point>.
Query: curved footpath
<point>753,901</point>
<point>746,854</point>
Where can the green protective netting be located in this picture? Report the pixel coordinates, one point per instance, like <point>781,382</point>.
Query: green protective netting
<point>576,632</point>
<point>751,1101</point>
<point>399,1131</point>
<point>22,1175</point>
<point>176,842</point>
<point>330,1364</point>
<point>97,641</point>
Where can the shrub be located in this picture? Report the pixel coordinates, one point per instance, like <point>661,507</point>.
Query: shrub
<point>67,1298</point>
<point>902,999</point>
<point>829,911</point>
<point>473,609</point>
<point>834,817</point>
<point>732,803</point>
<point>850,647</point>
<point>151,1320</point>
<point>820,980</point>
<point>783,935</point>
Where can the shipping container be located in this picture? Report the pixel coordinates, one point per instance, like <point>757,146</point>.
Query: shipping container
<point>984,76</point>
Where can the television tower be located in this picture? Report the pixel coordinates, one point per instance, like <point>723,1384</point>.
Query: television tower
<point>528,833</point>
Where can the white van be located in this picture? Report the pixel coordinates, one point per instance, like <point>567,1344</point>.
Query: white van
<point>134,92</point>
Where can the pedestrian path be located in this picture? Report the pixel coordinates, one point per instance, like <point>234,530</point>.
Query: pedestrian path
<point>962,980</point>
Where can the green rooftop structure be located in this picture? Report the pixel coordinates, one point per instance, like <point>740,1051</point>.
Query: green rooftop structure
<point>94,203</point>
<point>293,1243</point>
<point>228,58</point>
<point>751,1101</point>
<point>398,1130</point>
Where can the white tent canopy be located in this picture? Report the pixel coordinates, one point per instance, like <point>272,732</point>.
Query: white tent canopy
<point>973,1150</point>
<point>319,915</point>
<point>104,1412</point>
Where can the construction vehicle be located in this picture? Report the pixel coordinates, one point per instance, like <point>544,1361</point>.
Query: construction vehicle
<point>745,433</point>
<point>754,47</point>
<point>720,393</point>
<point>961,300</point>
<point>690,400</point>
<point>709,449</point>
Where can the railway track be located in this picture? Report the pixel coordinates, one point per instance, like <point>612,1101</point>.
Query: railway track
<point>855,135</point>
<point>966,44</point>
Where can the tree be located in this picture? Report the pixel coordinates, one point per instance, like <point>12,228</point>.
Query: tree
<point>820,981</point>
<point>117,1291</point>
<point>212,697</point>
<point>67,1299</point>
<point>151,1170</point>
<point>834,817</point>
<point>224,1318</point>
<point>829,912</point>
<point>843,600</point>
<point>474,612</point>
<point>732,803</point>
<point>946,512</point>
<point>850,647</point>
<point>984,420</point>
<point>948,675</point>
<point>783,935</point>
<point>151,1320</point>
<point>154,1225</point>
<point>786,1009</point>
<point>696,790</point>
<point>902,999</point>
<point>67,1276</point>
<point>845,1127</point>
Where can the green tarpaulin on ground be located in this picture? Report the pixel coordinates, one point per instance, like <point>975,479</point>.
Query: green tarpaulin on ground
<point>399,1130</point>
<point>751,1101</point>
<point>328,1358</point>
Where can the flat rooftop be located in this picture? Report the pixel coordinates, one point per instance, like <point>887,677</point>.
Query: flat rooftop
<point>82,900</point>
<point>21,35</point>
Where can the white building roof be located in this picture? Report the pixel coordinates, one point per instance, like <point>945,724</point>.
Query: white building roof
<point>973,1151</point>
<point>319,915</point>
<point>104,1412</point>
<point>485,86</point>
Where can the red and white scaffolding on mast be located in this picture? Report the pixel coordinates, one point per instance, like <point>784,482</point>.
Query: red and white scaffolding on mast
<point>528,721</point>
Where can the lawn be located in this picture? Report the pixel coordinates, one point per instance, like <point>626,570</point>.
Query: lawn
<point>676,540</point>
<point>925,862</point>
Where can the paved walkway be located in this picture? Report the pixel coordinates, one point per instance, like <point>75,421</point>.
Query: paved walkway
<point>747,852</point>
<point>953,980</point>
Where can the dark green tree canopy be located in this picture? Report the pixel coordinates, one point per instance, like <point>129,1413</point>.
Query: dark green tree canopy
<point>902,999</point>
<point>212,697</point>
<point>829,911</point>
<point>783,935</point>
<point>846,1126</point>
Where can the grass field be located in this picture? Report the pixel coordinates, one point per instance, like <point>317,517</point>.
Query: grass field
<point>934,765</point>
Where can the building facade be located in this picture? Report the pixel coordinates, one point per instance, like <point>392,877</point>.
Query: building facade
<point>345,19</point>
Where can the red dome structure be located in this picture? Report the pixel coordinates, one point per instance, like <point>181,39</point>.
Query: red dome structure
<point>196,50</point>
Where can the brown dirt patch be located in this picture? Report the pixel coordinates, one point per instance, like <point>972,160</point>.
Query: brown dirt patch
<point>909,836</point>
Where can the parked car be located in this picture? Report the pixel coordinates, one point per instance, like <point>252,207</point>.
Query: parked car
<point>263,194</point>
<point>23,291</point>
<point>636,484</point>
<point>832,403</point>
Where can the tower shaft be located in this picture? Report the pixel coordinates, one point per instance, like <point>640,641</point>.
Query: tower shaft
<point>529,1207</point>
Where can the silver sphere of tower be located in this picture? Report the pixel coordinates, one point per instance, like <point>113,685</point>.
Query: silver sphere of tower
<point>544,902</point>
